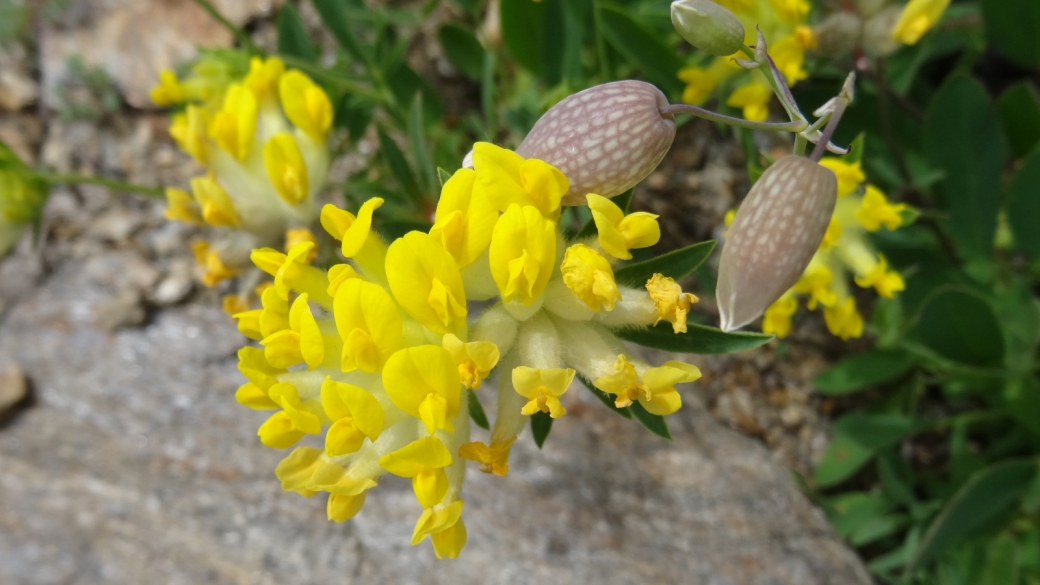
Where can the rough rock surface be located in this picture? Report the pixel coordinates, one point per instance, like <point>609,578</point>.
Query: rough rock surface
<point>134,464</point>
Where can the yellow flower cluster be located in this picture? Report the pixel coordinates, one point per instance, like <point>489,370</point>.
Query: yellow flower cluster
<point>21,198</point>
<point>383,352</point>
<point>262,140</point>
<point>784,25</point>
<point>845,249</point>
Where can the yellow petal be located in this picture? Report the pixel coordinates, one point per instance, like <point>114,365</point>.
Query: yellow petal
<point>415,457</point>
<point>252,396</point>
<point>430,486</point>
<point>296,469</point>
<point>368,321</point>
<point>426,282</point>
<point>305,104</point>
<point>522,253</point>
<point>435,520</point>
<point>342,507</point>
<point>448,543</point>
<point>286,168</point>
<point>415,372</point>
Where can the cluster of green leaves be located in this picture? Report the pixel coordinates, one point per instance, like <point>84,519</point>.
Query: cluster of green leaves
<point>933,471</point>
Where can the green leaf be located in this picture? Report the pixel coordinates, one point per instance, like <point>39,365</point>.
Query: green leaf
<point>981,502</point>
<point>334,17</point>
<point>1019,109</point>
<point>697,339</point>
<point>676,264</point>
<point>399,166</point>
<point>533,33</point>
<point>877,528</point>
<point>863,370</point>
<point>961,326</point>
<point>962,137</point>
<point>463,49</point>
<point>857,438</point>
<point>476,411</point>
<point>653,422</point>
<point>1002,565</point>
<point>1023,203</point>
<point>420,153</point>
<point>292,36</point>
<point>850,511</point>
<point>404,82</point>
<point>1011,27</point>
<point>624,201</point>
<point>659,62</point>
<point>541,424</point>
<point>605,398</point>
<point>354,114</point>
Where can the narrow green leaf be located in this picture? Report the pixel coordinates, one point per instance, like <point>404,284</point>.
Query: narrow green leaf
<point>533,33</point>
<point>961,326</point>
<point>659,62</point>
<point>420,153</point>
<point>292,36</point>
<point>697,339</point>
<point>476,411</point>
<point>960,120</point>
<point>877,528</point>
<point>857,438</point>
<point>541,424</point>
<point>1023,202</point>
<point>399,166</point>
<point>334,17</point>
<point>850,511</point>
<point>1011,27</point>
<point>462,48</point>
<point>654,423</point>
<point>354,114</point>
<point>864,370</point>
<point>404,82</point>
<point>1019,107</point>
<point>605,398</point>
<point>980,503</point>
<point>676,264</point>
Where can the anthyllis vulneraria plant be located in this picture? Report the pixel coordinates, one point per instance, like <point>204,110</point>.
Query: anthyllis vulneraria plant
<point>262,138</point>
<point>22,195</point>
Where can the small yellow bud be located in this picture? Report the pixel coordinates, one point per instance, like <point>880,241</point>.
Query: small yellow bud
<point>589,276</point>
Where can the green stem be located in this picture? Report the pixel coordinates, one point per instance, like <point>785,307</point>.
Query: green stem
<point>113,184</point>
<point>241,35</point>
<point>793,126</point>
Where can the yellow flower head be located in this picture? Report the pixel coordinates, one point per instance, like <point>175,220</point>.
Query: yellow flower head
<point>543,388</point>
<point>492,459</point>
<point>424,461</point>
<point>505,178</point>
<point>619,233</point>
<point>777,318</point>
<point>522,253</point>
<point>918,17</point>
<point>306,105</point>
<point>816,282</point>
<point>355,415</point>
<point>286,168</point>
<point>234,126</point>
<point>426,282</point>
<point>875,211</point>
<point>850,175</point>
<point>424,382</point>
<point>671,302</point>
<point>464,222</point>
<point>589,276</point>
<point>180,206</point>
<point>754,99</point>
<point>843,319</point>
<point>475,359</point>
<point>169,91</point>
<point>886,282</point>
<point>217,208</point>
<point>369,323</point>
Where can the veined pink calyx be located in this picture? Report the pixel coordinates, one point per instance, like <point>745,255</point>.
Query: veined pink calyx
<point>773,237</point>
<point>605,139</point>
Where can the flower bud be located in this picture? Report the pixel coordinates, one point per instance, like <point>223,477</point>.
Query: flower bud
<point>774,236</point>
<point>605,139</point>
<point>708,26</point>
<point>839,33</point>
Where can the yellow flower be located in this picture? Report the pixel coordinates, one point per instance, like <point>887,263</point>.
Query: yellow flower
<point>217,208</point>
<point>296,418</point>
<point>850,175</point>
<point>492,459</point>
<point>464,222</point>
<point>886,282</point>
<point>619,233</point>
<point>424,382</point>
<point>875,211</point>
<point>505,178</point>
<point>355,415</point>
<point>448,543</point>
<point>424,461</point>
<point>671,302</point>
<point>655,389</point>
<point>234,126</point>
<point>180,206</point>
<point>917,18</point>
<point>754,99</point>
<point>300,235</point>
<point>522,253</point>
<point>543,388</point>
<point>815,282</point>
<point>777,318</point>
<point>189,131</point>
<point>343,507</point>
<point>805,37</point>
<point>286,169</point>
<point>296,470</point>
<point>301,342</point>
<point>426,282</point>
<point>792,11</point>
<point>214,268</point>
<point>700,84</point>
<point>843,319</point>
<point>475,359</point>
<point>832,235</point>
<point>264,75</point>
<point>169,92</point>
<point>291,272</point>
<point>306,105</point>
<point>789,57</point>
<point>589,276</point>
<point>369,323</point>
<point>436,520</point>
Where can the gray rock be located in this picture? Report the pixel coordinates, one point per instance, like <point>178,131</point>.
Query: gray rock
<point>137,466</point>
